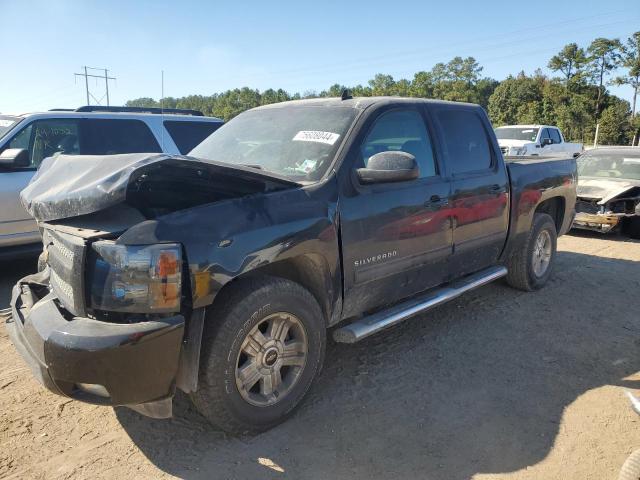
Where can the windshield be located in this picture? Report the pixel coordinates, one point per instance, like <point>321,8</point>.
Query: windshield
<point>299,142</point>
<point>610,165</point>
<point>517,133</point>
<point>7,123</point>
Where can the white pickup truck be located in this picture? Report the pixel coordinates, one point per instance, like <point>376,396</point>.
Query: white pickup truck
<point>535,140</point>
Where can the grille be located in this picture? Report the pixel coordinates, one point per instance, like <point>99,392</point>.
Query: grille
<point>587,206</point>
<point>66,260</point>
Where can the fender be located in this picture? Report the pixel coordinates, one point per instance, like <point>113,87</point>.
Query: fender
<point>226,240</point>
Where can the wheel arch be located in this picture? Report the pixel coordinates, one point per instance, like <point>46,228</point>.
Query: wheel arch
<point>555,208</point>
<point>309,270</point>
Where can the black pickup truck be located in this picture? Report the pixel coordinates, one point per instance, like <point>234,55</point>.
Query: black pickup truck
<point>219,273</point>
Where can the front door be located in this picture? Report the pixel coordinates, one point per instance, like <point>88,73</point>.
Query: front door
<point>42,138</point>
<point>396,237</point>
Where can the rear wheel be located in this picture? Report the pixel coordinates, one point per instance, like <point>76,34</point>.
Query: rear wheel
<point>530,266</point>
<point>264,346</point>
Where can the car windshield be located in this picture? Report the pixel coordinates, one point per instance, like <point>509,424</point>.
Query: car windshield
<point>517,133</point>
<point>299,142</point>
<point>611,165</point>
<point>7,123</point>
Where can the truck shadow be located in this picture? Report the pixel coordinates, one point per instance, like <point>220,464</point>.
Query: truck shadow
<point>475,386</point>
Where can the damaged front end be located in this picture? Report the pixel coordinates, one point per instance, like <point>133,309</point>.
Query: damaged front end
<point>604,208</point>
<point>108,322</point>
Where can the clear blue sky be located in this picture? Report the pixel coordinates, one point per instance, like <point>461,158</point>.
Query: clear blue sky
<point>206,46</point>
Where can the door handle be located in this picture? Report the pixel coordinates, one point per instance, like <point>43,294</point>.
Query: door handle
<point>437,201</point>
<point>496,188</point>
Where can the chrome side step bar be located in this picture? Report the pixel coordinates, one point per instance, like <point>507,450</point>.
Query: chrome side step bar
<point>380,320</point>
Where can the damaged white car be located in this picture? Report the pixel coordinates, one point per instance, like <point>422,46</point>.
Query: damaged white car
<point>609,190</point>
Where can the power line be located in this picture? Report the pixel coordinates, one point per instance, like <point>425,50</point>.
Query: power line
<point>106,78</point>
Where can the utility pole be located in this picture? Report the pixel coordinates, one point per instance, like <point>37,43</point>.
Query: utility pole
<point>106,78</point>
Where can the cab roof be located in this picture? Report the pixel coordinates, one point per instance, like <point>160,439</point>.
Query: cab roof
<point>360,103</point>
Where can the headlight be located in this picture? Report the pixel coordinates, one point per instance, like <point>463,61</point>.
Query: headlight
<point>136,279</point>
<point>521,150</point>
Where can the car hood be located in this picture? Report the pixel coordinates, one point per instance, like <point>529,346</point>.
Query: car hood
<point>604,189</point>
<point>513,143</point>
<point>68,186</point>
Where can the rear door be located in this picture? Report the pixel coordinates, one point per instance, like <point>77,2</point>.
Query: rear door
<point>100,136</point>
<point>396,237</point>
<point>480,185</point>
<point>42,138</point>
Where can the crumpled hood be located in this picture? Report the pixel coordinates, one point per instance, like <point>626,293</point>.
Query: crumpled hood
<point>604,189</point>
<point>71,185</point>
<point>513,143</point>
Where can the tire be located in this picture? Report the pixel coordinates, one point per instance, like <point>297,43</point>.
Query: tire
<point>631,468</point>
<point>522,272</point>
<point>633,228</point>
<point>244,310</point>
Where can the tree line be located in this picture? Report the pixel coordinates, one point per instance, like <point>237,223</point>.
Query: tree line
<point>575,98</point>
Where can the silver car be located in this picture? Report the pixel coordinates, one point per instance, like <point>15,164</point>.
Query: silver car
<point>25,140</point>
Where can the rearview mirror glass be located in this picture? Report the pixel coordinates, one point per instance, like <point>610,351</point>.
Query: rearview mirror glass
<point>390,166</point>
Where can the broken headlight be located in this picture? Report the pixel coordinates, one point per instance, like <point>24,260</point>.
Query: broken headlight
<point>136,278</point>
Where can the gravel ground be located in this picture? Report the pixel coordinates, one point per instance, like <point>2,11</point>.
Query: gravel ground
<point>499,384</point>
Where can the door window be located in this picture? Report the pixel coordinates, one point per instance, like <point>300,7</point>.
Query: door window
<point>45,138</point>
<point>401,130</point>
<point>187,135</point>
<point>544,135</point>
<point>112,137</point>
<point>555,135</point>
<point>465,140</point>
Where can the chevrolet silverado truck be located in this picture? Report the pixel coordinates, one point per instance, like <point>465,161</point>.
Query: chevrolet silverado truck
<point>535,140</point>
<point>219,273</point>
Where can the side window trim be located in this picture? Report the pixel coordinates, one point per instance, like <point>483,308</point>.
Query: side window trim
<point>493,166</point>
<point>429,133</point>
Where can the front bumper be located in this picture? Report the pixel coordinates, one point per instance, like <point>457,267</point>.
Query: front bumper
<point>597,222</point>
<point>135,363</point>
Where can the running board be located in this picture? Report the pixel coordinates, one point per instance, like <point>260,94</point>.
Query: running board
<point>386,318</point>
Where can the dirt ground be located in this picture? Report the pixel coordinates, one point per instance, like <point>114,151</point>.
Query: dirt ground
<point>499,384</point>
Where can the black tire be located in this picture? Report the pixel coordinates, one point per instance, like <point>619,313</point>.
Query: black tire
<point>631,468</point>
<point>633,228</point>
<point>521,274</point>
<point>230,320</point>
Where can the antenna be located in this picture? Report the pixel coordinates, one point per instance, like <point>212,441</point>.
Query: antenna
<point>162,107</point>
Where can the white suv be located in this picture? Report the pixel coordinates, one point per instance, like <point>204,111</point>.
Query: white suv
<point>26,140</point>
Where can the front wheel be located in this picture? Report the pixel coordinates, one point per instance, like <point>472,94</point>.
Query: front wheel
<point>530,266</point>
<point>632,227</point>
<point>263,347</point>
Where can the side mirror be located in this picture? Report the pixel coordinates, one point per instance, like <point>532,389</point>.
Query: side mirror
<point>14,157</point>
<point>386,167</point>
<point>546,141</point>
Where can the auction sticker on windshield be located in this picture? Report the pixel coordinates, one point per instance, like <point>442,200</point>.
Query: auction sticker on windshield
<point>316,136</point>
